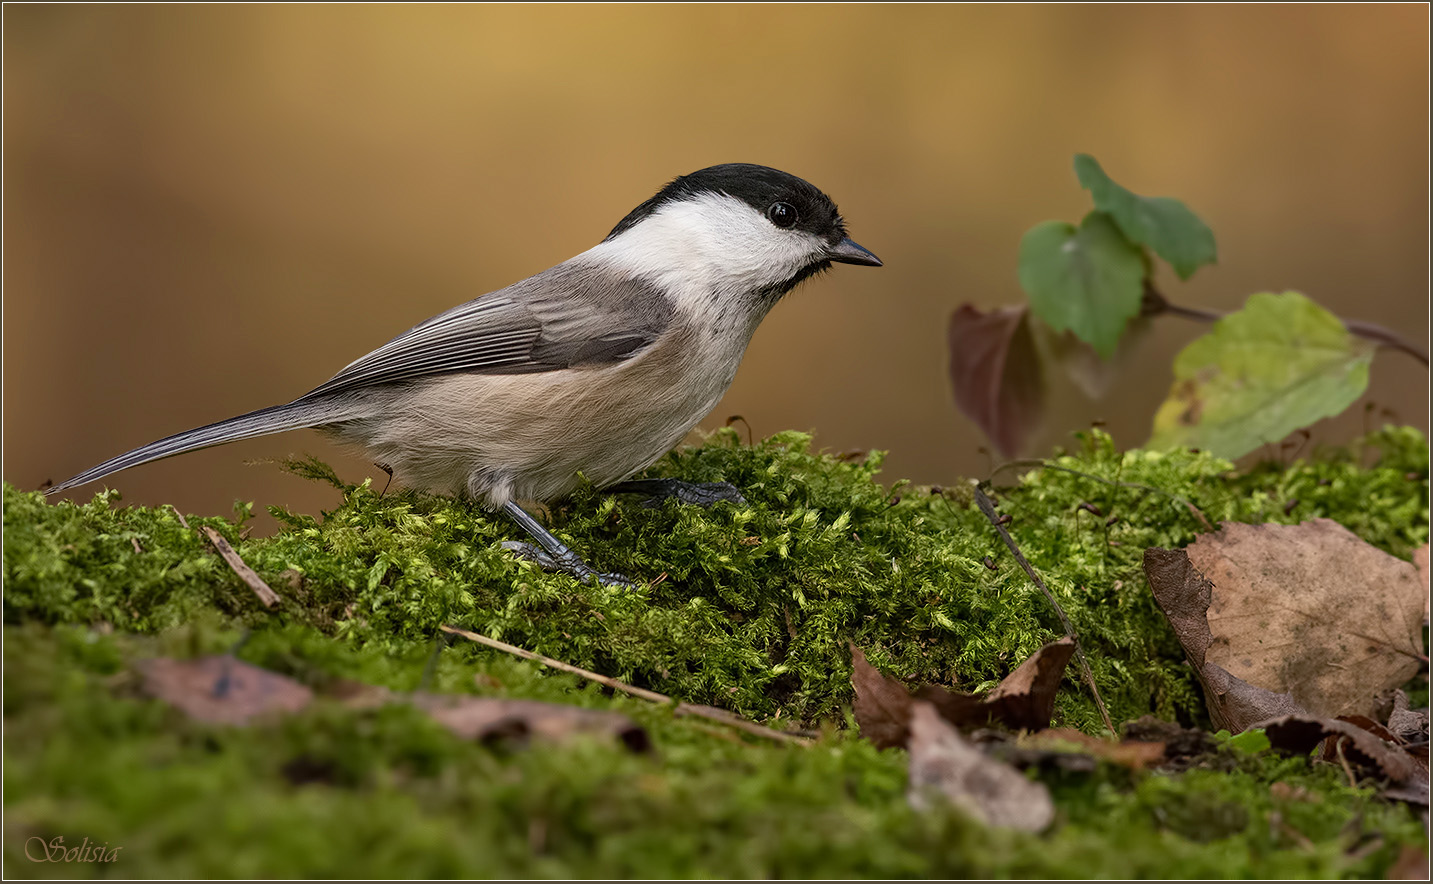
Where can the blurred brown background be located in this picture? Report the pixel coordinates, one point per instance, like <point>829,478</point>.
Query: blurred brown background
<point>212,209</point>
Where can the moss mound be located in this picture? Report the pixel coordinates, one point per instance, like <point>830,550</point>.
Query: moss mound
<point>748,608</point>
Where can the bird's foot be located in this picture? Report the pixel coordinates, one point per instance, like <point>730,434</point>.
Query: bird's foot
<point>568,564</point>
<point>695,493</point>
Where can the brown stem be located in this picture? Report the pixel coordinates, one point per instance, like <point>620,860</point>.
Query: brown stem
<point>987,507</point>
<point>1155,303</point>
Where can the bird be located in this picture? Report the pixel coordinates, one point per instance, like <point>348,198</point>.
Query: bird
<point>597,366</point>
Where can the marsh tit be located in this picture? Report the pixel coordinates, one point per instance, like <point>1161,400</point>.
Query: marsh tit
<point>597,366</point>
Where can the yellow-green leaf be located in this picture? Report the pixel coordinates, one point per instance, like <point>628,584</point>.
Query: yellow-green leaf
<point>1281,363</point>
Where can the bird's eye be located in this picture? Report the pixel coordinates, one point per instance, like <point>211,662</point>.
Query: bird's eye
<point>783,215</point>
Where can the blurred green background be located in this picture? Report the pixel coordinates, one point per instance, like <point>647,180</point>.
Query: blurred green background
<point>210,209</point>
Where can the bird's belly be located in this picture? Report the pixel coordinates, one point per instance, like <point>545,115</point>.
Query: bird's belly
<point>528,436</point>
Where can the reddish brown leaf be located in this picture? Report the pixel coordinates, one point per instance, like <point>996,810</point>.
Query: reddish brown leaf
<point>1024,699</point>
<point>943,763</point>
<point>1184,595</point>
<point>221,689</point>
<point>488,718</point>
<point>996,375</point>
<point>883,705</point>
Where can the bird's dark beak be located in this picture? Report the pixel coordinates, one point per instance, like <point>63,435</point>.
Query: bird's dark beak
<point>847,252</point>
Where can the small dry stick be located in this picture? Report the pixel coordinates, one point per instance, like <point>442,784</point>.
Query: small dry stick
<point>710,712</point>
<point>246,574</point>
<point>989,509</point>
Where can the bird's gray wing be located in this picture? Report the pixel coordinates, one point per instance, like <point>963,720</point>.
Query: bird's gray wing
<point>565,317</point>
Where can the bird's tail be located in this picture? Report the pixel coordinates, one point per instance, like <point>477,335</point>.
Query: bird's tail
<point>276,419</point>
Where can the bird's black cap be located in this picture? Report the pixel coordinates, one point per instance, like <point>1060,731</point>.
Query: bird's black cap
<point>757,186</point>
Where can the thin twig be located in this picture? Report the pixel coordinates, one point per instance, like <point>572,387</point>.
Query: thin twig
<point>183,521</point>
<point>987,507</point>
<point>246,574</point>
<point>1156,303</point>
<point>1194,510</point>
<point>709,712</point>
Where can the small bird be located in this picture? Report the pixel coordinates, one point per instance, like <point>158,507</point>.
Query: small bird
<point>599,365</point>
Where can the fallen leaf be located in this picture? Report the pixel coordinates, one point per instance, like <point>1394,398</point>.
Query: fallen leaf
<point>882,706</point>
<point>1024,699</point>
<point>1184,595</point>
<point>1300,734</point>
<point>221,689</point>
<point>996,374</point>
<point>1420,561</point>
<point>1312,610</point>
<point>1309,610</point>
<point>944,763</point>
<point>488,718</point>
<point>1134,754</point>
<point>1178,742</point>
<point>1411,865</point>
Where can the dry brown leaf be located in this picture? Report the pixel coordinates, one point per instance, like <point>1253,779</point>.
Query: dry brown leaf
<point>1024,699</point>
<point>1311,610</point>
<point>486,718</point>
<point>883,705</point>
<point>1420,561</point>
<point>1184,595</point>
<point>1300,734</point>
<point>221,689</point>
<point>1134,754</point>
<point>1178,742</point>
<point>944,763</point>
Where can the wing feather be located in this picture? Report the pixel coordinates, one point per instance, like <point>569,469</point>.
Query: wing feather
<point>571,315</point>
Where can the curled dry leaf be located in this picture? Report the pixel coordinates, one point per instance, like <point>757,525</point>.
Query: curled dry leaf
<point>1024,699</point>
<point>221,689</point>
<point>1300,734</point>
<point>944,763</point>
<point>996,375</point>
<point>487,718</point>
<point>1309,610</point>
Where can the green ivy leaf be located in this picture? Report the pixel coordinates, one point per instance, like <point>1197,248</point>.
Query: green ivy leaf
<point>1164,224</point>
<point>1087,280</point>
<point>1279,364</point>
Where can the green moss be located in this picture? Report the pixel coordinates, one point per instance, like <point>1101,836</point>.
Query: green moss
<point>386,793</point>
<point>753,614</point>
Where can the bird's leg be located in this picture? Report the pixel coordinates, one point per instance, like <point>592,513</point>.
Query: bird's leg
<point>554,554</point>
<point>697,493</point>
